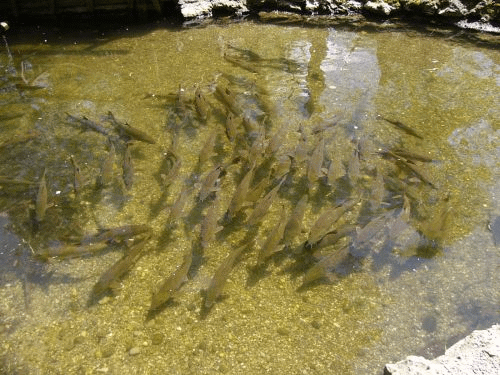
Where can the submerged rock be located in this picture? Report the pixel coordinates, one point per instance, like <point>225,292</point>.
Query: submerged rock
<point>478,353</point>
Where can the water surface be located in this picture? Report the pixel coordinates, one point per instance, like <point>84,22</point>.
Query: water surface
<point>414,293</point>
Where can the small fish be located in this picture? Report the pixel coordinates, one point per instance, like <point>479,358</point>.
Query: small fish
<point>275,142</point>
<point>128,169</point>
<point>109,280</point>
<point>262,207</point>
<point>209,227</point>
<point>435,227</point>
<point>336,170</point>
<point>252,127</point>
<point>422,175</point>
<point>294,224</point>
<point>402,126</point>
<point>353,167</point>
<point>411,156</point>
<point>201,104</point>
<point>282,166</point>
<point>272,242</point>
<point>301,149</point>
<point>106,176</point>
<point>171,166</point>
<point>378,190</point>
<point>130,132</point>
<point>220,277</point>
<point>78,179</point>
<point>208,148</point>
<point>240,194</point>
<point>231,126</point>
<point>209,183</point>
<point>172,283</point>
<point>228,98</point>
<point>71,251</point>
<point>177,209</point>
<point>41,199</point>
<point>88,124</point>
<point>241,63</point>
<point>117,234</point>
<point>360,245</point>
<point>323,268</point>
<point>326,220</point>
<point>315,162</point>
<point>254,194</point>
<point>331,238</point>
<point>4,180</point>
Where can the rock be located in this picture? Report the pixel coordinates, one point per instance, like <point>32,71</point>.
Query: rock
<point>478,353</point>
<point>205,8</point>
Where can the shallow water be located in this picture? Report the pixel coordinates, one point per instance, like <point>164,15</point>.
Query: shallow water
<point>414,292</point>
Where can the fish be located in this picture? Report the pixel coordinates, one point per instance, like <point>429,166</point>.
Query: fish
<point>41,199</point>
<point>363,236</point>
<point>171,166</point>
<point>106,176</point>
<point>294,224</point>
<point>353,167</point>
<point>128,168</point>
<point>71,251</point>
<point>241,63</point>
<point>172,283</point>
<point>209,183</point>
<point>321,269</point>
<point>331,238</point>
<point>219,279</point>
<point>231,126</point>
<point>117,234</point>
<point>326,220</point>
<point>129,132</point>
<point>412,156</point>
<point>4,180</point>
<point>336,170</point>
<point>434,227</point>
<point>177,209</point>
<point>300,153</point>
<point>208,148</point>
<point>252,127</point>
<point>209,227</point>
<point>254,194</point>
<point>282,166</point>
<point>228,98</point>
<point>109,280</point>
<point>78,179</point>
<point>378,190</point>
<point>271,245</point>
<point>88,124</point>
<point>262,207</point>
<point>275,142</point>
<point>240,194</point>
<point>201,104</point>
<point>402,126</point>
<point>315,162</point>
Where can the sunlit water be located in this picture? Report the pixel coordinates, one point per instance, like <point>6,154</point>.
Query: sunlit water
<point>417,292</point>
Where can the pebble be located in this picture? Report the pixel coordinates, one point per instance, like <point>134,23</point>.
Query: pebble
<point>134,351</point>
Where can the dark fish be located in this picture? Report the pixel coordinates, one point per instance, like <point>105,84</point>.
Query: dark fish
<point>201,104</point>
<point>323,268</point>
<point>315,162</point>
<point>172,165</point>
<point>88,124</point>
<point>72,251</point>
<point>336,170</point>
<point>41,199</point>
<point>416,171</point>
<point>117,234</point>
<point>209,227</point>
<point>128,169</point>
<point>172,283</point>
<point>177,209</point>
<point>402,126</point>
<point>110,279</point>
<point>262,207</point>
<point>272,242</point>
<point>130,132</point>
<point>413,156</point>
<point>78,179</point>
<point>240,194</point>
<point>106,176</point>
<point>326,220</point>
<point>230,126</point>
<point>294,224</point>
<point>228,98</point>
<point>241,63</point>
<point>208,148</point>
<point>209,183</point>
<point>220,277</point>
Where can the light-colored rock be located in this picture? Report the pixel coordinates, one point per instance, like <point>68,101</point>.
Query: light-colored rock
<point>478,353</point>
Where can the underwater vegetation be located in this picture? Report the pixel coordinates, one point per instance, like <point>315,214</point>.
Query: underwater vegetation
<point>312,198</point>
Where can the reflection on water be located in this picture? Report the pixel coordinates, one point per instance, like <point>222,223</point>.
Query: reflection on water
<point>395,152</point>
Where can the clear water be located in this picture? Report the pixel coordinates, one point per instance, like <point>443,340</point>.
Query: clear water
<point>416,293</point>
